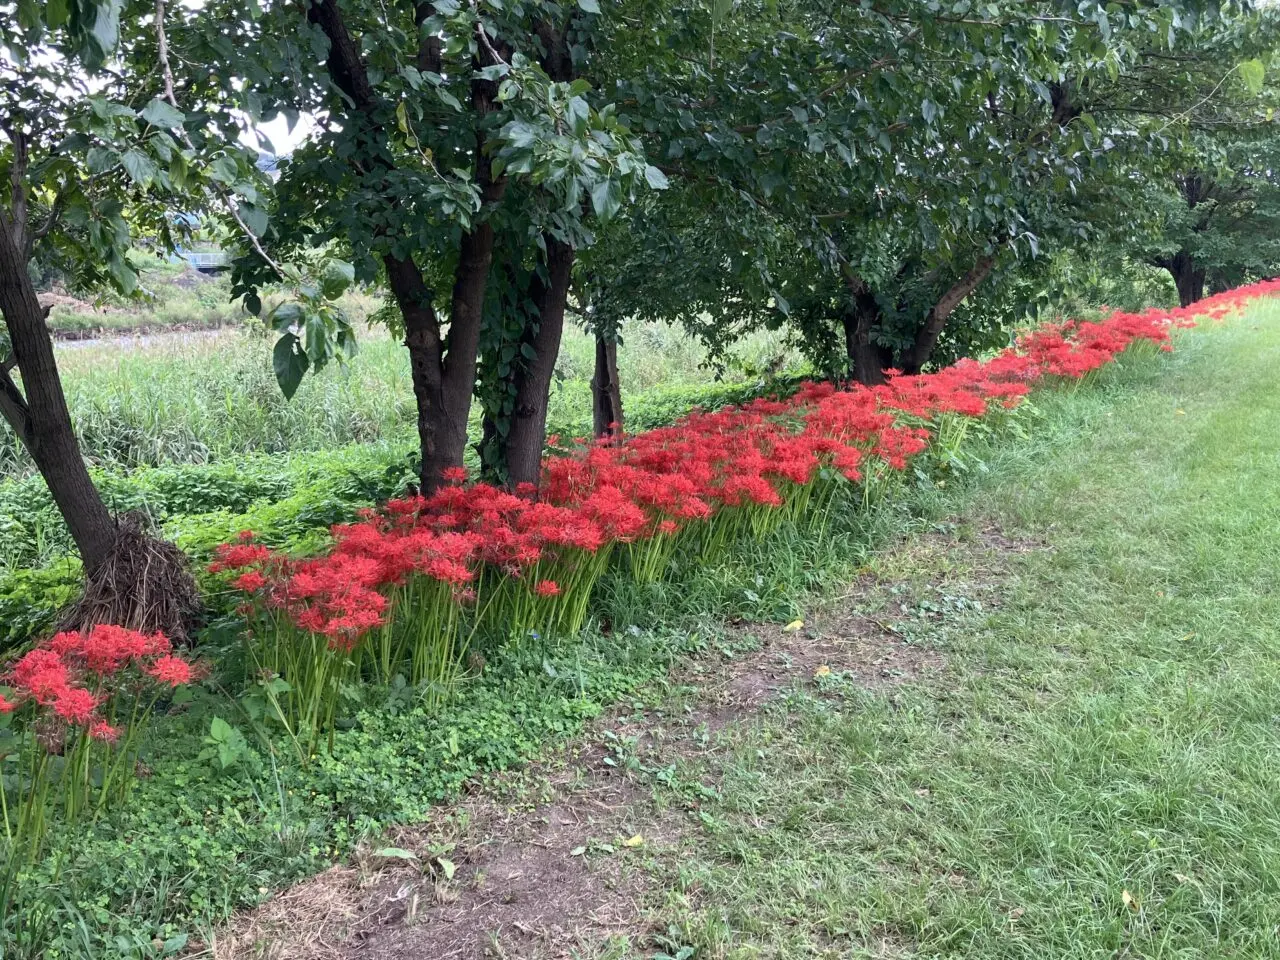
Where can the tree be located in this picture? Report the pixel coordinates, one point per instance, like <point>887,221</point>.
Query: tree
<point>858,173</point>
<point>445,128</point>
<point>97,160</point>
<point>1218,218</point>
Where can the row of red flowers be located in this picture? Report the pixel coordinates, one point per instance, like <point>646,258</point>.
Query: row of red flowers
<point>529,560</point>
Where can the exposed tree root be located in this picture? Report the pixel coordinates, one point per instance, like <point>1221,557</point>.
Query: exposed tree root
<point>146,584</point>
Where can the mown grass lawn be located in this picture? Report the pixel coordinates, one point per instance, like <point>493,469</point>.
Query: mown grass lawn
<point>1096,773</point>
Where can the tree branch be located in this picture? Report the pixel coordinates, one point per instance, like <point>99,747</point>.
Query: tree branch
<point>162,55</point>
<point>17,181</point>
<point>13,405</point>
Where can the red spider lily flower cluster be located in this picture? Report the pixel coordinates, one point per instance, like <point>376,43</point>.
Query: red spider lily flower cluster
<point>75,676</point>
<point>520,556</point>
<point>82,699</point>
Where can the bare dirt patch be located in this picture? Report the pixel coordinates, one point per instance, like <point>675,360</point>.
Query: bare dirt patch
<point>542,864</point>
<point>548,863</point>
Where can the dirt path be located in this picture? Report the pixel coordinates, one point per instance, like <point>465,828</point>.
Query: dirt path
<point>551,862</point>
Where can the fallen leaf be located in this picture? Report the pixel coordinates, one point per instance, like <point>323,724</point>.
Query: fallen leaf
<point>1182,878</point>
<point>822,671</point>
<point>1130,900</point>
<point>1181,413</point>
<point>793,626</point>
<point>636,841</point>
<point>577,851</point>
<point>1017,912</point>
<point>922,792</point>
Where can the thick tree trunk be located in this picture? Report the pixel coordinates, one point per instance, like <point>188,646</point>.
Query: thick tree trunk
<point>867,361</point>
<point>443,368</point>
<point>39,414</point>
<point>444,372</point>
<point>927,336</point>
<point>528,433</point>
<point>1187,277</point>
<point>426,364</point>
<point>606,391</point>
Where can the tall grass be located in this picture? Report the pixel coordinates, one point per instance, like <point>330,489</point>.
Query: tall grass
<point>200,397</point>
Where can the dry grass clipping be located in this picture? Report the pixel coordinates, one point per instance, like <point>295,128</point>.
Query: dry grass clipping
<point>146,584</point>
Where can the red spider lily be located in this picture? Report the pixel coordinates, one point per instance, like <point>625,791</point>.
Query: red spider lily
<point>237,556</point>
<point>250,582</point>
<point>409,567</point>
<point>72,689</point>
<point>76,705</point>
<point>170,670</point>
<point>102,731</point>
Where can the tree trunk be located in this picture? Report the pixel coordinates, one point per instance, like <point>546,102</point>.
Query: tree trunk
<point>528,433</point>
<point>444,372</point>
<point>606,391</point>
<point>443,368</point>
<point>1187,277</point>
<point>41,418</point>
<point>927,336</point>
<point>426,363</point>
<point>867,361</point>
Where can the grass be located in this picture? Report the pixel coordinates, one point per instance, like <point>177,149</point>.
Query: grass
<point>1109,727</point>
<point>1095,774</point>
<point>173,296</point>
<point>201,396</point>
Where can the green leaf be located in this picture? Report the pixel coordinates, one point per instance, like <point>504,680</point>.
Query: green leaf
<point>656,179</point>
<point>28,14</point>
<point>720,9</point>
<point>316,341</point>
<point>123,275</point>
<point>100,159</point>
<point>1253,73</point>
<point>141,168</point>
<point>106,29</point>
<point>397,853</point>
<point>255,218</point>
<point>606,199</point>
<point>158,113</point>
<point>219,729</point>
<point>589,6</point>
<point>224,170</point>
<point>338,276</point>
<point>55,13</point>
<point>285,315</point>
<point>289,364</point>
